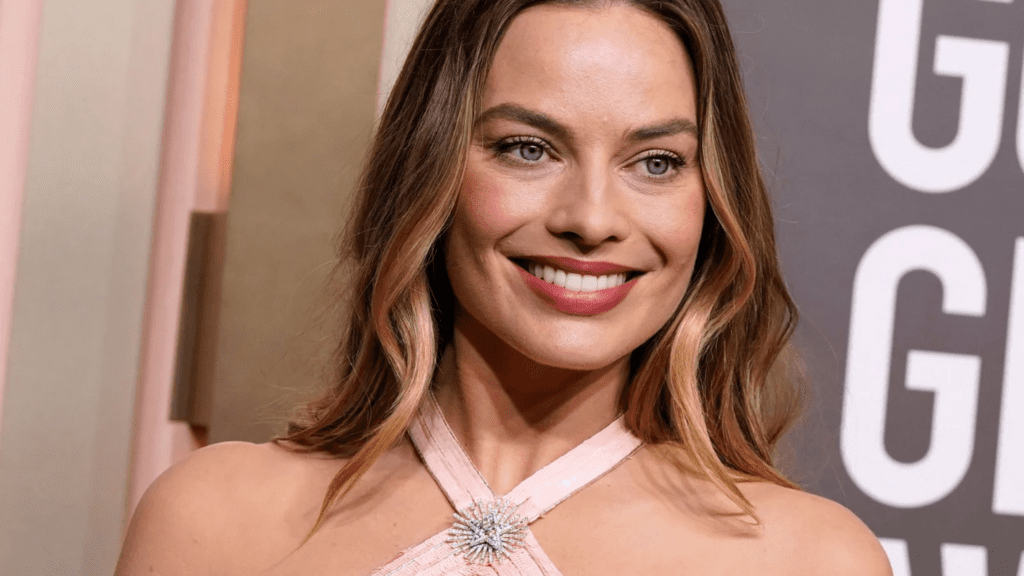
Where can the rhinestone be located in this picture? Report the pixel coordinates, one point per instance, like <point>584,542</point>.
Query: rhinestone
<point>485,532</point>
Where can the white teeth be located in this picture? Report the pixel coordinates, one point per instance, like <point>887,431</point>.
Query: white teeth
<point>573,281</point>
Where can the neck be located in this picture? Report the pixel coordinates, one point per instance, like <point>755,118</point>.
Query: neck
<point>513,415</point>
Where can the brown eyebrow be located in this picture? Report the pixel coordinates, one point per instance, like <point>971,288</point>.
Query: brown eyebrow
<point>543,122</point>
<point>670,128</point>
<point>522,115</point>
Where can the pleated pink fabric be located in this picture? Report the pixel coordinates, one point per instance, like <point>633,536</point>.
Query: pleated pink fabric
<point>463,485</point>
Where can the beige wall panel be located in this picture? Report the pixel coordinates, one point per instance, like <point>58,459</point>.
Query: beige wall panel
<point>78,304</point>
<point>401,22</point>
<point>307,104</point>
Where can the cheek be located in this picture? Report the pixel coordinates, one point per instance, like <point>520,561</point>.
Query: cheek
<point>489,206</point>
<point>482,217</point>
<point>677,230</point>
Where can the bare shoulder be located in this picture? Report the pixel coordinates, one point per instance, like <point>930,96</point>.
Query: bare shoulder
<point>808,534</point>
<point>193,516</point>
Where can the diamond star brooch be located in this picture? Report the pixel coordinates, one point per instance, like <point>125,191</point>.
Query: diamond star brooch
<point>487,531</point>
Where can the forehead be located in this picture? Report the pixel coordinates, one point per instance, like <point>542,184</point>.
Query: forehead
<point>611,60</point>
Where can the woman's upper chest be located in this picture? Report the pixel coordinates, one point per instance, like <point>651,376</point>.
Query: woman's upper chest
<point>614,526</point>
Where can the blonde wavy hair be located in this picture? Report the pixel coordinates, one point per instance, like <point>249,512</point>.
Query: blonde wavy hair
<point>713,381</point>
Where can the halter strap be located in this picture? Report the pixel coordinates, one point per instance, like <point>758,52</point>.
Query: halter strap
<point>467,490</point>
<point>462,483</point>
<point>445,459</point>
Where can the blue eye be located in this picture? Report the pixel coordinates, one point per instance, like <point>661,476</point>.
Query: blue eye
<point>660,164</point>
<point>521,149</point>
<point>530,151</point>
<point>657,165</point>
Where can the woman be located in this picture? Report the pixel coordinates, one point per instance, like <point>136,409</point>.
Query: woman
<point>566,293</point>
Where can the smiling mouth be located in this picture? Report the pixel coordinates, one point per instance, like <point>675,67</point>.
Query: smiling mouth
<point>575,281</point>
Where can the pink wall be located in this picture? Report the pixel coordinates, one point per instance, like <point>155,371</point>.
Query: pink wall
<point>19,49</point>
<point>195,175</point>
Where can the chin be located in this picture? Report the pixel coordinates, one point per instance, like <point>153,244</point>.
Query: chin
<point>576,355</point>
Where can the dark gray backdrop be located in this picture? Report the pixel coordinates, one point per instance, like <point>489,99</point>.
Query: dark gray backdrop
<point>901,189</point>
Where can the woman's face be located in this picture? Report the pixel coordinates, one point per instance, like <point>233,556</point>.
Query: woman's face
<point>580,211</point>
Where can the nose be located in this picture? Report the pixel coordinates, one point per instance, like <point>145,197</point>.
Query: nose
<point>589,210</point>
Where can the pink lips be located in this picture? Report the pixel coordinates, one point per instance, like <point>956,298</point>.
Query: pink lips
<point>578,303</point>
<point>581,266</point>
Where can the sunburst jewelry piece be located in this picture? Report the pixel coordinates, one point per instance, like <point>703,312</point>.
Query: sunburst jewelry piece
<point>487,531</point>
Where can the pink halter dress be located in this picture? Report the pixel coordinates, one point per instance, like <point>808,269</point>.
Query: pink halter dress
<point>491,535</point>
